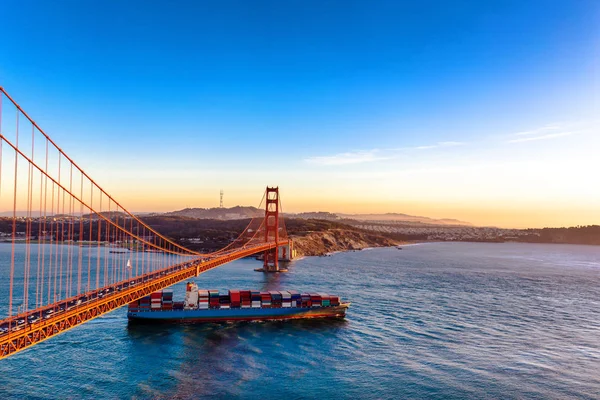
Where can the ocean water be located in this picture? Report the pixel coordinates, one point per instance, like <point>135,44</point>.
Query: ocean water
<point>438,320</point>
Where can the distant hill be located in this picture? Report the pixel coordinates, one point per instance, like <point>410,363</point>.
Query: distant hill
<point>242,212</point>
<point>237,212</point>
<point>398,217</point>
<point>314,215</point>
<point>388,217</point>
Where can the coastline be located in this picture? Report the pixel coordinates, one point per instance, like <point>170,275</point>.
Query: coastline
<point>328,242</point>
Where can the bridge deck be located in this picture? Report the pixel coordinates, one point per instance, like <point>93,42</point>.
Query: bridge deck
<point>22,331</point>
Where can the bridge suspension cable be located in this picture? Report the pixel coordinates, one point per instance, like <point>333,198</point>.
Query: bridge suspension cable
<point>69,251</point>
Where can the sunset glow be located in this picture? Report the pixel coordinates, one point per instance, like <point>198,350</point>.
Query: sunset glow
<point>495,124</point>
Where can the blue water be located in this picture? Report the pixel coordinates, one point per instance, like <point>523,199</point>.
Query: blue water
<point>440,320</point>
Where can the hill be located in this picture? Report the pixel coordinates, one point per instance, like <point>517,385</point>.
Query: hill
<point>243,212</point>
<point>237,212</point>
<point>398,217</point>
<point>311,237</point>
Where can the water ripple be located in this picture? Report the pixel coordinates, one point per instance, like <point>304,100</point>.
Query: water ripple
<point>440,321</point>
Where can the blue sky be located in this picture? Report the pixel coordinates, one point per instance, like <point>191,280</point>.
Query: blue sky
<point>476,110</point>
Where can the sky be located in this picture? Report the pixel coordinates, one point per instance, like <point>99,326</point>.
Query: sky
<point>488,112</point>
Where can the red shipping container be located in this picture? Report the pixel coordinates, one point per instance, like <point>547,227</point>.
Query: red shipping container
<point>234,295</point>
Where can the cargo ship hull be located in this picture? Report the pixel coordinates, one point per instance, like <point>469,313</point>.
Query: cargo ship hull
<point>237,314</point>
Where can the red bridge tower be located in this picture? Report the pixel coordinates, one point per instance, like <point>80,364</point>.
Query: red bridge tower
<point>271,257</point>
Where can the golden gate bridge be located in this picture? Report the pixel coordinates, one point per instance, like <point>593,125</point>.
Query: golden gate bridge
<point>71,252</point>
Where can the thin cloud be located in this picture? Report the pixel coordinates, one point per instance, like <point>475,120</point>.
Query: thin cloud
<point>367,156</point>
<point>547,128</point>
<point>542,137</point>
<point>357,157</point>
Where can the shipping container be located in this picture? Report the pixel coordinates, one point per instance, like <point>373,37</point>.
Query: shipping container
<point>235,298</point>
<point>315,298</point>
<point>285,295</point>
<point>276,299</point>
<point>246,294</point>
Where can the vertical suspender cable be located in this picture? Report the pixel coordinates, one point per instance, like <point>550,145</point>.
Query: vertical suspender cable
<point>80,240</point>
<point>99,226</point>
<point>14,227</point>
<point>89,247</point>
<point>27,263</point>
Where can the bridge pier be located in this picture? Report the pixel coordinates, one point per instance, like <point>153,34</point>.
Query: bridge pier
<point>285,253</point>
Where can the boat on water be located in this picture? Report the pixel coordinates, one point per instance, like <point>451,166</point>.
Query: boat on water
<point>236,305</point>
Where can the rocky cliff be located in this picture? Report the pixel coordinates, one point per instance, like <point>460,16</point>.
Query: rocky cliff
<point>320,243</point>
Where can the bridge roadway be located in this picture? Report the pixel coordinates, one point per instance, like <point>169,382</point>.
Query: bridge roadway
<point>26,329</point>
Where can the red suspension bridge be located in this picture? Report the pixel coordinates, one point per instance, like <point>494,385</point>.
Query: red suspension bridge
<point>69,252</point>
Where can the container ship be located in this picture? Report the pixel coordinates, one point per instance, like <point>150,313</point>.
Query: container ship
<point>235,305</point>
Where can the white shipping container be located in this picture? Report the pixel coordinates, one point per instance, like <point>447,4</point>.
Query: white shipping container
<point>246,306</point>
<point>203,306</point>
<point>286,304</point>
<point>256,304</point>
<point>155,306</point>
<point>224,306</point>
